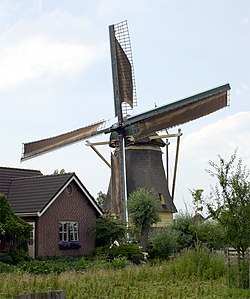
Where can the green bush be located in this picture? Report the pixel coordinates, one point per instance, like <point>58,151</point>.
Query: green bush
<point>119,262</point>
<point>14,233</point>
<point>57,265</point>
<point>14,256</point>
<point>164,243</point>
<point>101,253</point>
<point>184,225</point>
<point>131,252</point>
<point>107,231</point>
<point>6,268</point>
<point>211,234</point>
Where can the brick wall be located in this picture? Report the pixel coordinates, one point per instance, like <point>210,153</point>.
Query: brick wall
<point>73,207</point>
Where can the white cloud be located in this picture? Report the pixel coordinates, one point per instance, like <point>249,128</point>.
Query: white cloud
<point>6,8</point>
<point>242,89</point>
<point>245,21</point>
<point>220,138</point>
<point>37,57</point>
<point>119,8</point>
<point>44,47</point>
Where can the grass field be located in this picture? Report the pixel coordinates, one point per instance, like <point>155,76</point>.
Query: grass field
<point>160,280</point>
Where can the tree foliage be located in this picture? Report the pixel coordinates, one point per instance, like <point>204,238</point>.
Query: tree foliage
<point>61,171</point>
<point>210,234</point>
<point>107,231</point>
<point>101,197</point>
<point>197,199</point>
<point>165,242</point>
<point>230,204</point>
<point>144,209</point>
<point>14,233</point>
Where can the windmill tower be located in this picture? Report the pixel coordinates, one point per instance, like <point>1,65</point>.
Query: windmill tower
<point>134,132</point>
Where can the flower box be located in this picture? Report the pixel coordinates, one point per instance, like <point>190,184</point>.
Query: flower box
<point>69,245</point>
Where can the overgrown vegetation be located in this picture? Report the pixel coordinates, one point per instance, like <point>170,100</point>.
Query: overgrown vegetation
<point>195,274</point>
<point>14,234</point>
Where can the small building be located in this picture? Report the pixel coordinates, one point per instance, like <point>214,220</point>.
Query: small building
<point>59,207</point>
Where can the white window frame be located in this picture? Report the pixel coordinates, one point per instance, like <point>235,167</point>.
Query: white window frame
<point>68,231</point>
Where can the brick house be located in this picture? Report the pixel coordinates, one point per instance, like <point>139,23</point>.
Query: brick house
<point>59,207</point>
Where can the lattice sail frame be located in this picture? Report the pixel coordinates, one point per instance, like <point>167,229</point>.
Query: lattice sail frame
<point>122,36</point>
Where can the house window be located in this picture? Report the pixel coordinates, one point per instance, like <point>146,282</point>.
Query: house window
<point>68,231</point>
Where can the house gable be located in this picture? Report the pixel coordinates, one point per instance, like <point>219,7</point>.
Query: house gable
<point>33,195</point>
<point>75,179</point>
<point>70,206</point>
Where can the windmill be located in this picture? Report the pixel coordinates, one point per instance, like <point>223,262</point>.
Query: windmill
<point>135,130</point>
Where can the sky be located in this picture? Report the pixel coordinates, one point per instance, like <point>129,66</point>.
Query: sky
<point>55,76</point>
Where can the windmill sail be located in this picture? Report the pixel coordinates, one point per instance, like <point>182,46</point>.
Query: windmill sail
<point>39,147</point>
<point>122,69</point>
<point>112,204</point>
<point>124,75</point>
<point>180,112</point>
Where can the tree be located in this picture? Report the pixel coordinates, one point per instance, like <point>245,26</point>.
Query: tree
<point>230,204</point>
<point>14,233</point>
<point>62,171</point>
<point>143,208</point>
<point>183,224</point>
<point>211,234</point>
<point>197,199</point>
<point>101,197</point>
<point>165,242</point>
<point>107,231</point>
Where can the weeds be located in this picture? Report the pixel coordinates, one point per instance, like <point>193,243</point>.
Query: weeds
<point>192,275</point>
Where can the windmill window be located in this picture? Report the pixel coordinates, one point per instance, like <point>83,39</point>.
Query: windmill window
<point>162,198</point>
<point>68,231</point>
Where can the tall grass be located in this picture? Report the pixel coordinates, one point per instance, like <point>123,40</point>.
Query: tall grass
<point>200,265</point>
<point>192,275</point>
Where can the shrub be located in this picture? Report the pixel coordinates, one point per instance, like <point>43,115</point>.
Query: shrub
<point>14,256</point>
<point>119,262</point>
<point>211,234</point>
<point>14,234</point>
<point>184,225</point>
<point>131,252</point>
<point>164,243</point>
<point>107,231</point>
<point>101,252</point>
<point>57,265</point>
<point>6,268</point>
